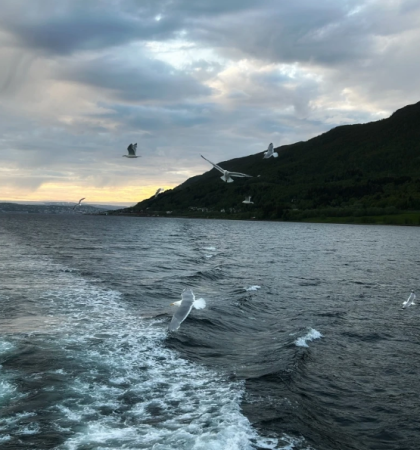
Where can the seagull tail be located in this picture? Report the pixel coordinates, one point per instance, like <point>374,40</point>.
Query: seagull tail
<point>227,179</point>
<point>275,154</point>
<point>199,303</point>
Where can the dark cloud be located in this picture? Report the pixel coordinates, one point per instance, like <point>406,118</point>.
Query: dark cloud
<point>137,80</point>
<point>306,31</point>
<point>74,25</point>
<point>327,32</point>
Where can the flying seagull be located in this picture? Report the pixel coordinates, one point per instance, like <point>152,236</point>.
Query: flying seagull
<point>159,191</point>
<point>185,306</point>
<point>132,148</point>
<point>248,200</point>
<point>410,300</point>
<point>270,152</point>
<point>78,204</point>
<point>226,173</point>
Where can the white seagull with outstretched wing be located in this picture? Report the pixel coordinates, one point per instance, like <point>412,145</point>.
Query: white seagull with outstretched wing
<point>185,305</point>
<point>270,152</point>
<point>247,201</point>
<point>226,173</point>
<point>410,300</point>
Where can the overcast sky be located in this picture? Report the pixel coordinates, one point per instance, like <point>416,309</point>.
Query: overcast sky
<point>80,80</point>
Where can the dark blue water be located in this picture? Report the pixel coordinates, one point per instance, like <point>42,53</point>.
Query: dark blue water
<point>303,343</point>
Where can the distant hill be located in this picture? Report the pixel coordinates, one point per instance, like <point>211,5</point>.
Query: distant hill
<point>50,208</point>
<point>351,170</point>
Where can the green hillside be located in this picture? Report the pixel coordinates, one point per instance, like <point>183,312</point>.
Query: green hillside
<point>368,170</point>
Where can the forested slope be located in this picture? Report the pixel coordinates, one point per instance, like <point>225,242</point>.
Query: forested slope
<point>365,169</point>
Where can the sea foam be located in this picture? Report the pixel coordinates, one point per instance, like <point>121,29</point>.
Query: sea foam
<point>310,336</point>
<point>252,288</point>
<point>163,400</point>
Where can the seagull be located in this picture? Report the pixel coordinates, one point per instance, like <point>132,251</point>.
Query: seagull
<point>226,173</point>
<point>248,200</point>
<point>132,148</point>
<point>78,204</point>
<point>270,152</point>
<point>159,191</point>
<point>185,306</point>
<point>410,300</point>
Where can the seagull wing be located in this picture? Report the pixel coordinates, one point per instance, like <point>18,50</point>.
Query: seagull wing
<point>183,310</point>
<point>409,300</point>
<point>238,174</point>
<point>214,165</point>
<point>78,204</point>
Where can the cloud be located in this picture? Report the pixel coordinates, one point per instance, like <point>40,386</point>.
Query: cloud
<point>73,25</point>
<point>68,26</point>
<point>81,80</point>
<point>138,80</point>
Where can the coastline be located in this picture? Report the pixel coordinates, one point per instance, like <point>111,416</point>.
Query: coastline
<point>403,219</point>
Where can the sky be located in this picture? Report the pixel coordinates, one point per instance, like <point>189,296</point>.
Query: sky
<point>80,80</point>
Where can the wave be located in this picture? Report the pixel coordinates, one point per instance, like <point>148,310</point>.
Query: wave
<point>118,385</point>
<point>253,288</point>
<point>211,275</point>
<point>310,336</point>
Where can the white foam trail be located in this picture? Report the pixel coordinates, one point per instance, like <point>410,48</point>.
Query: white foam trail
<point>310,336</point>
<point>8,390</point>
<point>123,387</point>
<point>164,400</point>
<point>212,249</point>
<point>5,347</point>
<point>29,429</point>
<point>253,288</point>
<point>12,424</point>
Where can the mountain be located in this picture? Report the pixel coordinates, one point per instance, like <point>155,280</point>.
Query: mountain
<point>49,208</point>
<point>352,170</point>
